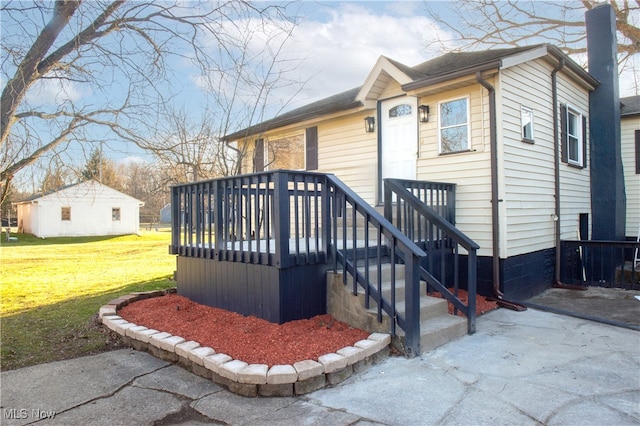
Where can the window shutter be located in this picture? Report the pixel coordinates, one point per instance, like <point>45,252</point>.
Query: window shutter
<point>563,134</point>
<point>584,141</point>
<point>638,152</point>
<point>312,148</point>
<point>258,156</point>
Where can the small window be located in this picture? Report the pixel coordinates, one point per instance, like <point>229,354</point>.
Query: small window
<point>526,117</point>
<point>65,213</point>
<point>574,137</point>
<point>115,214</point>
<point>454,126</point>
<point>573,131</point>
<point>400,111</point>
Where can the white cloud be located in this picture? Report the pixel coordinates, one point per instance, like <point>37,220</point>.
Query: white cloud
<point>341,51</point>
<point>53,92</point>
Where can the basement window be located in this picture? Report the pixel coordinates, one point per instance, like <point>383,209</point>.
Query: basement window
<point>65,213</point>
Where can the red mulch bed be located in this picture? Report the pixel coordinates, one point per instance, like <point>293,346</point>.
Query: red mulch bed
<point>247,338</point>
<point>250,339</point>
<point>482,304</point>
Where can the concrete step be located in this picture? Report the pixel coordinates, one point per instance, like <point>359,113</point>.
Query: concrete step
<point>435,332</point>
<point>430,307</point>
<point>437,326</point>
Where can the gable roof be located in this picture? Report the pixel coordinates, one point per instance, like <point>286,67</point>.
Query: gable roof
<point>91,182</point>
<point>630,106</point>
<point>442,68</point>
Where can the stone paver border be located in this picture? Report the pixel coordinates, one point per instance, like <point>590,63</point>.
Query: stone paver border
<point>237,376</point>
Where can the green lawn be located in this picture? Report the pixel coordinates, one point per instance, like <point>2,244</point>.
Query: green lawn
<point>51,290</point>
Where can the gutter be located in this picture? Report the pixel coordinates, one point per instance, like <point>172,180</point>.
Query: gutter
<point>495,214</point>
<point>446,77</point>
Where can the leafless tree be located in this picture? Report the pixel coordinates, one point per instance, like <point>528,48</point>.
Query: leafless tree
<point>489,23</point>
<point>74,69</point>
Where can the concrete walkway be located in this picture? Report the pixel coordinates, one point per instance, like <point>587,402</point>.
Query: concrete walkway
<point>520,368</point>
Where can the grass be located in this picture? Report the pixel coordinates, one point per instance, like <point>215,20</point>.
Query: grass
<point>51,290</point>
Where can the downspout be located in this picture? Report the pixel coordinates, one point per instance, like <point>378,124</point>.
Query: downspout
<point>556,166</point>
<point>495,213</point>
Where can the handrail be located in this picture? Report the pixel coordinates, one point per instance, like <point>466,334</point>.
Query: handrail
<point>400,246</point>
<point>427,215</point>
<point>601,263</point>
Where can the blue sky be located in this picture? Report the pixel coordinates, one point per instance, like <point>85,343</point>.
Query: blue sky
<point>339,42</point>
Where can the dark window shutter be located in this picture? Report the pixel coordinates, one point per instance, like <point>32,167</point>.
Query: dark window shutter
<point>563,134</point>
<point>584,141</point>
<point>311,140</point>
<point>258,156</point>
<point>638,152</point>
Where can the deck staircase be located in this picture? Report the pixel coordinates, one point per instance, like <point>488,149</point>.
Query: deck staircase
<point>437,326</point>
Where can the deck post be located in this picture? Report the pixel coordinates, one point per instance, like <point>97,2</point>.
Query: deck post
<point>471,291</point>
<point>175,220</point>
<point>412,306</point>
<point>282,217</point>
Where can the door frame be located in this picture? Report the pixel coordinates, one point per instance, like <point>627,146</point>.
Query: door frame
<point>379,183</point>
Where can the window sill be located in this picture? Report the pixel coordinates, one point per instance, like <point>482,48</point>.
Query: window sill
<point>529,141</point>
<point>456,152</point>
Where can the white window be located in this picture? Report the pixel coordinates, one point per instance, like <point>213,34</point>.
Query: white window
<point>574,137</point>
<point>454,126</point>
<point>286,153</point>
<point>65,213</point>
<point>526,117</point>
<point>115,214</point>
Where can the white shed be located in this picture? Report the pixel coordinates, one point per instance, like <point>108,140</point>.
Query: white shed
<point>84,209</point>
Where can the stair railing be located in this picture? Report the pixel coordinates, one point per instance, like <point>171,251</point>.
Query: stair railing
<point>353,252</point>
<point>440,239</point>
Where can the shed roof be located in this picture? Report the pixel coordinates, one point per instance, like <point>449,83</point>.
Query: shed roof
<point>424,74</point>
<point>62,188</point>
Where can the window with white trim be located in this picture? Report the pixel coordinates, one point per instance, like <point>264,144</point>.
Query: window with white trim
<point>574,137</point>
<point>526,119</point>
<point>453,122</point>
<point>115,214</point>
<point>65,213</point>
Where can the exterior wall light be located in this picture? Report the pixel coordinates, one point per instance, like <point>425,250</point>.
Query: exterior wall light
<point>369,124</point>
<point>424,113</point>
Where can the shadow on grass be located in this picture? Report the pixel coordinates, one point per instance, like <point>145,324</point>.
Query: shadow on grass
<point>63,330</point>
<point>31,240</point>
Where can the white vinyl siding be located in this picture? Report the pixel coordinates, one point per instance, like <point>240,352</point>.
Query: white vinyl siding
<point>347,151</point>
<point>529,177</point>
<point>631,179</point>
<point>469,170</point>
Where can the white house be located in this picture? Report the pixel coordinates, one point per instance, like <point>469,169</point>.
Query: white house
<point>630,131</point>
<point>84,209</point>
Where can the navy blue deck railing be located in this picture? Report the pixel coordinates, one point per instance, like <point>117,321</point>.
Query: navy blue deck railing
<point>285,218</point>
<point>601,263</point>
<point>424,211</point>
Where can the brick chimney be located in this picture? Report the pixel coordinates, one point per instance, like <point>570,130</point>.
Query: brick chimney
<point>608,199</point>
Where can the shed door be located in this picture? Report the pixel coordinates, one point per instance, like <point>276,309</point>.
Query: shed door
<point>399,142</point>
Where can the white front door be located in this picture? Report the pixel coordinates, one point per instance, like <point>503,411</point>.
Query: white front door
<point>399,141</point>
